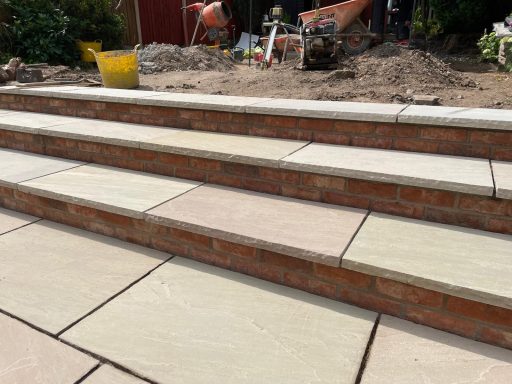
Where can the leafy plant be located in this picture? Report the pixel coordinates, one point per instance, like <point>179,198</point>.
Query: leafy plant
<point>431,28</point>
<point>39,31</point>
<point>489,45</point>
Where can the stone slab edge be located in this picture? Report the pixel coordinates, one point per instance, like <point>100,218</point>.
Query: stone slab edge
<point>439,286</point>
<point>385,178</point>
<point>298,253</point>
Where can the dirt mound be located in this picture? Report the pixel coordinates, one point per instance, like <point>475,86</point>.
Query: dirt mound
<point>166,57</point>
<point>390,65</point>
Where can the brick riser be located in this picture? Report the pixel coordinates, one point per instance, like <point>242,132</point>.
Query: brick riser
<point>480,212</point>
<point>482,143</point>
<point>467,318</point>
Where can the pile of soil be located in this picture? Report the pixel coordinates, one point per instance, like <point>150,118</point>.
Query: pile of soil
<point>390,65</point>
<point>167,57</point>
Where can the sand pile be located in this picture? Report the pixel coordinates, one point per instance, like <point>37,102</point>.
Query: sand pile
<point>167,57</point>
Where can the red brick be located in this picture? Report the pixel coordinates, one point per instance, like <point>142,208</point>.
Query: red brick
<point>486,205</point>
<point>415,145</point>
<point>89,146</point>
<point>244,118</point>
<point>344,199</point>
<point>490,137</point>
<point>118,107</point>
<point>152,120</point>
<point>279,175</point>
<point>107,115</point>
<point>205,164</point>
<point>280,121</point>
<point>57,102</point>
<point>205,125</point>
<point>176,160</point>
<point>102,228</point>
<point>441,321</point>
<point>261,186</point>
<point>295,280</point>
<point>169,246</point>
<point>372,142</point>
<point>189,237</point>
<point>115,219</point>
<point>118,151</point>
<point>217,116</point>
<point>301,193</point>
<point>468,150</point>
<point>96,105</point>
<point>361,128</point>
<point>140,109</point>
<point>135,165</point>
<point>130,118</point>
<point>498,225</point>
<point>455,218</point>
<point>287,262</point>
<point>322,289</point>
<point>191,114</point>
<point>264,131</point>
<point>342,276</point>
<point>480,311</point>
<point>164,111</point>
<point>444,134</point>
<point>160,169</point>
<point>210,257</point>
<point>230,181</point>
<point>370,301</point>
<point>241,169</point>
<point>368,188</point>
<point>331,138</point>
<point>502,154</point>
<point>321,181</point>
<point>398,208</point>
<point>428,196</point>
<point>131,236</point>
<point>409,293</point>
<point>82,211</point>
<point>500,337</point>
<point>397,130</point>
<point>265,272</point>
<point>234,249</point>
<point>191,174</point>
<point>316,124</point>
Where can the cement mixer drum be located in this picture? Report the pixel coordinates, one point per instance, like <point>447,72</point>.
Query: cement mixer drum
<point>217,14</point>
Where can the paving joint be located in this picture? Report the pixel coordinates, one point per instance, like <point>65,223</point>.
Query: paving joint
<point>23,226</point>
<point>84,377</point>
<point>354,236</point>
<point>366,355</point>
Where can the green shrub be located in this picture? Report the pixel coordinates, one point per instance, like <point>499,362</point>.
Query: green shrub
<point>94,19</point>
<point>489,46</point>
<point>39,32</point>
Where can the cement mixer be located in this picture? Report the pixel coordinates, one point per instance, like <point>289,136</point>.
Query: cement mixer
<point>213,17</point>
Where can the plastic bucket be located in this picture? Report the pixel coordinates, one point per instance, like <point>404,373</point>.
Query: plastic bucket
<point>118,69</point>
<point>83,47</point>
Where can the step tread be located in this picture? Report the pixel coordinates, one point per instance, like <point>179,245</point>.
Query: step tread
<point>468,263</point>
<point>311,231</point>
<point>237,148</point>
<point>452,173</point>
<point>55,274</point>
<point>483,118</point>
<point>115,190</point>
<point>10,220</point>
<point>462,174</point>
<point>403,351</point>
<point>216,323</point>
<point>30,356</point>
<point>503,177</point>
<point>21,166</point>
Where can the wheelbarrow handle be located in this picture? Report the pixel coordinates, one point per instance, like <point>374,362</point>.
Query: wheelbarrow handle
<point>136,48</point>
<point>92,51</point>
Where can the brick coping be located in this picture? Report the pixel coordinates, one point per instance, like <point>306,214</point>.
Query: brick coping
<point>468,318</point>
<point>473,118</point>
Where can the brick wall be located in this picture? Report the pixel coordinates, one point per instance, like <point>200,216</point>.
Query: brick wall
<point>490,144</point>
<point>467,318</point>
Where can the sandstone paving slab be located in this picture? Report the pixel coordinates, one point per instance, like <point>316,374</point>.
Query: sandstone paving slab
<point>111,189</point>
<point>502,171</point>
<point>339,110</point>
<point>461,174</point>
<point>202,101</point>
<point>404,353</point>
<point>52,275</point>
<point>193,323</point>
<point>484,118</point>
<point>107,374</point>
<point>51,91</point>
<point>104,94</point>
<point>19,166</point>
<point>302,229</point>
<point>243,149</point>
<point>111,132</point>
<point>11,220</point>
<point>6,111</point>
<point>30,122</point>
<point>468,263</point>
<point>29,356</point>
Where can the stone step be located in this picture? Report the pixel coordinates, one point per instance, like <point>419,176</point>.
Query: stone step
<point>442,188</point>
<point>473,132</point>
<point>152,317</point>
<point>288,241</point>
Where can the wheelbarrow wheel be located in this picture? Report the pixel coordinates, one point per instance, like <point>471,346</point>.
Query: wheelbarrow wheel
<point>356,42</point>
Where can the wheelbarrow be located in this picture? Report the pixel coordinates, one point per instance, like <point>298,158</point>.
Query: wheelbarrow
<point>351,33</point>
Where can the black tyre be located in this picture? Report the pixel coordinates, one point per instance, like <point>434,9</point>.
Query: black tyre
<point>356,43</point>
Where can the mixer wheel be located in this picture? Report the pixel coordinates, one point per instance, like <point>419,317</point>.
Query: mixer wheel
<point>356,42</point>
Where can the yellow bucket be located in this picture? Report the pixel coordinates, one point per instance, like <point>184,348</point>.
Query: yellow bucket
<point>119,69</point>
<point>83,46</point>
